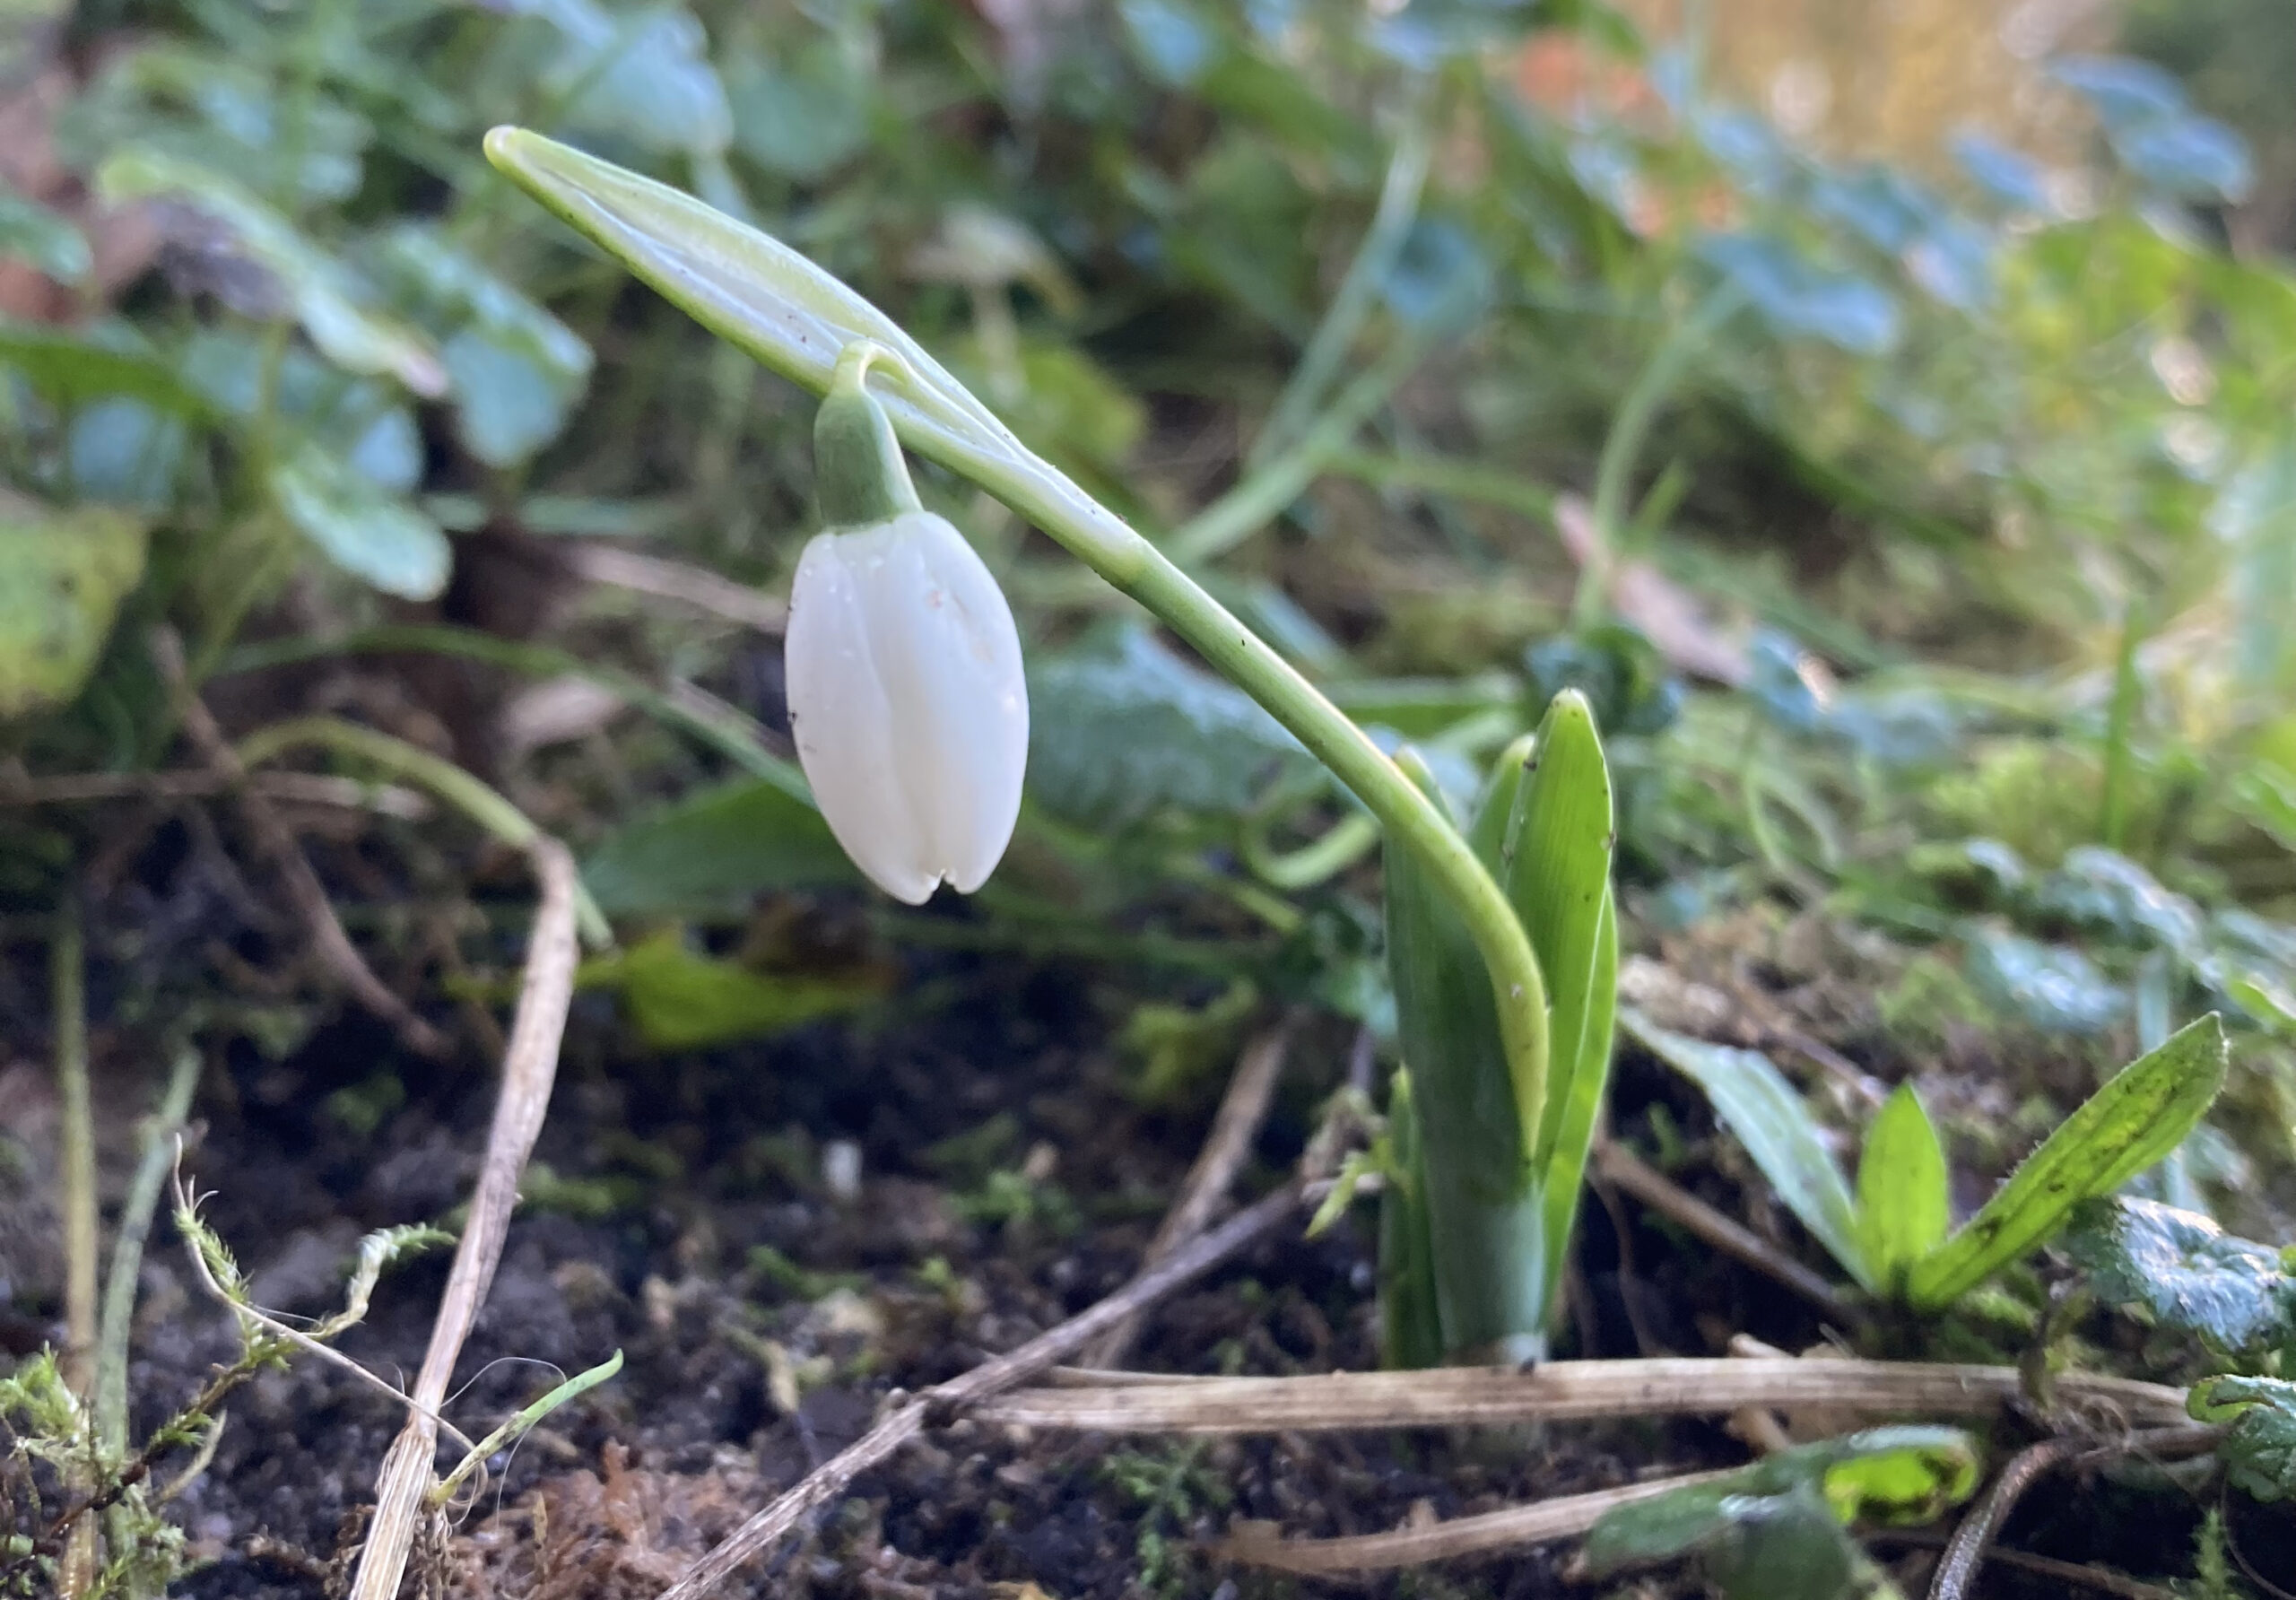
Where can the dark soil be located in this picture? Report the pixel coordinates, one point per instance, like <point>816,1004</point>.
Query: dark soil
<point>684,1219</point>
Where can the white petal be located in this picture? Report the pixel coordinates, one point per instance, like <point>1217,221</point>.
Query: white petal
<point>908,701</point>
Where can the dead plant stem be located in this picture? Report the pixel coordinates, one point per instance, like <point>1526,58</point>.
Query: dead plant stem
<point>529,1068</point>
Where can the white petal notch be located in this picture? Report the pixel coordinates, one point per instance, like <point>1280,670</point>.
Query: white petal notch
<point>908,701</point>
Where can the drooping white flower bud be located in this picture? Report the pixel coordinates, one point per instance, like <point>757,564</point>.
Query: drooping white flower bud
<point>906,689</point>
<point>907,701</point>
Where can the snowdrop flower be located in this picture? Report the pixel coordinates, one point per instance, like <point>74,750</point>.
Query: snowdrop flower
<point>905,683</point>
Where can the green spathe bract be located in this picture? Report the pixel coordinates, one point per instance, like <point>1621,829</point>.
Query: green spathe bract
<point>1499,1161</point>
<point>796,319</point>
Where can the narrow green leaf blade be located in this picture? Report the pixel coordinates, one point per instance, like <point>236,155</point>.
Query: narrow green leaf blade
<point>1557,867</point>
<point>2142,1115</point>
<point>1768,1117</point>
<point>1483,1215</point>
<point>1903,1205</point>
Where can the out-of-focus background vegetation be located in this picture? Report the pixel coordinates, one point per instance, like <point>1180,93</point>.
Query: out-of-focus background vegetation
<point>1887,412</point>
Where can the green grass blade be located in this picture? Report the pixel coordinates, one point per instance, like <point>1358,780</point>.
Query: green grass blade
<point>1767,1115</point>
<point>1556,869</point>
<point>1903,1205</point>
<point>2142,1115</point>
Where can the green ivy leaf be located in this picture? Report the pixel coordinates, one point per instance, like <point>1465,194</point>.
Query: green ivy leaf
<point>328,301</point>
<point>367,533</point>
<point>1124,728</point>
<point>1904,1207</point>
<point>2184,1269</point>
<point>714,852</point>
<point>2259,1450</point>
<point>47,240</point>
<point>1767,1115</point>
<point>2144,1113</point>
<point>63,575</point>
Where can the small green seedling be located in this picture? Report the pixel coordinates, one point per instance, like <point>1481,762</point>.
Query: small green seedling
<point>1776,1530</point>
<point>1892,1235</point>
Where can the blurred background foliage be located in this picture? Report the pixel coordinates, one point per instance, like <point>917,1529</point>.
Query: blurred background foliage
<point>1887,413</point>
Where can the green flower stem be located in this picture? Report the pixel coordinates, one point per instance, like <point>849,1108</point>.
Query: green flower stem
<point>1096,536</point>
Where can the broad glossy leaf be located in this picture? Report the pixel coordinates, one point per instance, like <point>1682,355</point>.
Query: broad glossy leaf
<point>2194,158</point>
<point>680,999</point>
<point>1768,1115</point>
<point>2133,1120</point>
<point>47,240</point>
<point>643,72</point>
<point>63,575</point>
<point>1904,1207</point>
<point>75,366</point>
<point>1174,40</point>
<point>369,534</point>
<point>1124,728</point>
<point>324,297</point>
<point>2259,1451</point>
<point>2103,891</point>
<point>124,453</point>
<point>1798,297</point>
<point>714,853</point>
<point>2054,988</point>
<point>804,113</point>
<point>2183,1268</point>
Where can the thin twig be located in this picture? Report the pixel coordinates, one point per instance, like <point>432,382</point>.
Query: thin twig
<point>696,586</point>
<point>1616,1164</point>
<point>1234,1126</point>
<point>2095,1578</point>
<point>768,1527</point>
<point>1965,1552</point>
<point>273,839</point>
<point>1557,1391</point>
<point>295,788</point>
<point>529,1068</point>
<point>1536,1523</point>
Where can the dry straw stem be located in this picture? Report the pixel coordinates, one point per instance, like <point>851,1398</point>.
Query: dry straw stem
<point>529,1067</point>
<point>1243,1109</point>
<point>286,857</point>
<point>294,789</point>
<point>777,1520</point>
<point>695,587</point>
<point>1620,1167</point>
<point>1561,1391</point>
<point>1259,1544</point>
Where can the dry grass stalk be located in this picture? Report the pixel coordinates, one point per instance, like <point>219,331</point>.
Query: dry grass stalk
<point>1561,1391</point>
<point>1616,1165</point>
<point>277,843</point>
<point>1260,1546</point>
<point>296,788</point>
<point>529,1067</point>
<point>1243,1109</point>
<point>695,587</point>
<point>777,1520</point>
